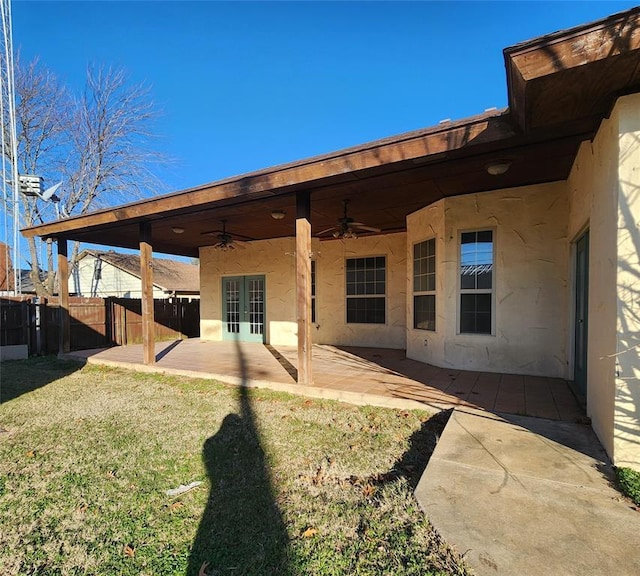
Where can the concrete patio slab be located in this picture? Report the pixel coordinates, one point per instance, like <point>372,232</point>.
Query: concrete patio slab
<point>527,496</point>
<point>374,376</point>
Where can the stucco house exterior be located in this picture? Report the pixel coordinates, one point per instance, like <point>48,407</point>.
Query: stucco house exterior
<point>506,242</point>
<point>102,273</point>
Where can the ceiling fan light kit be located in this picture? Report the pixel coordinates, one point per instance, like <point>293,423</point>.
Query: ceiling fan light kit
<point>347,227</point>
<point>225,239</point>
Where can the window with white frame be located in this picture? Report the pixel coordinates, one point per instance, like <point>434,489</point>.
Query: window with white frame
<point>476,282</point>
<point>424,285</point>
<point>366,290</point>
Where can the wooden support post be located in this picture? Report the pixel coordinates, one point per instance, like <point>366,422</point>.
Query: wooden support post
<point>303,286</point>
<point>64,340</point>
<point>146,274</point>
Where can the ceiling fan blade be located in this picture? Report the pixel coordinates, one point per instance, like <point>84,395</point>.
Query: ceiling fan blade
<point>368,228</point>
<point>327,230</point>
<point>211,233</point>
<point>355,223</point>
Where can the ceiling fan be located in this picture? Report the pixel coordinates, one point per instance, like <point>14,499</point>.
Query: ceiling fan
<point>225,240</point>
<point>347,227</point>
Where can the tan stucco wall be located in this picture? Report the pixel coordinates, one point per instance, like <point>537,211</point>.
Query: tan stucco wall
<point>331,325</point>
<point>627,384</point>
<point>605,196</point>
<point>530,278</point>
<point>593,200</point>
<point>276,260</point>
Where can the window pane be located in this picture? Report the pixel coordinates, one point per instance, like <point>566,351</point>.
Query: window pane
<point>476,260</point>
<point>475,313</point>
<point>484,278</point>
<point>424,312</point>
<point>430,282</point>
<point>366,277</point>
<point>424,266</point>
<point>366,310</point>
<point>467,279</point>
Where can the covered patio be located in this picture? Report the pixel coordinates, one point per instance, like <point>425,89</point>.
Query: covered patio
<point>374,376</point>
<point>499,244</point>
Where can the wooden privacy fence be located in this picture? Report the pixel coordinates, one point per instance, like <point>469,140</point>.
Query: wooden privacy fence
<point>94,322</point>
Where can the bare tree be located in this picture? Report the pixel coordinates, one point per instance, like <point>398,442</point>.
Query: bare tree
<point>97,143</point>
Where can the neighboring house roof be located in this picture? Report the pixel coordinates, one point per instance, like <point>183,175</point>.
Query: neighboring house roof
<point>170,275</point>
<point>26,283</point>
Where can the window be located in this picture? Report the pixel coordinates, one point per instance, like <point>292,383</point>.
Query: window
<point>366,289</point>
<point>424,285</point>
<point>313,291</point>
<point>476,282</point>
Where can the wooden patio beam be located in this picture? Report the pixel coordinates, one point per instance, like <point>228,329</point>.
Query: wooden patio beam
<point>303,286</point>
<point>64,340</point>
<point>146,275</point>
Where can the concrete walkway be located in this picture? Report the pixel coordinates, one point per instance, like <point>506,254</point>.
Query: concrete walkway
<point>528,496</point>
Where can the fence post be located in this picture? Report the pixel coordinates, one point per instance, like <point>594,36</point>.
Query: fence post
<point>63,297</point>
<point>37,313</point>
<point>26,325</point>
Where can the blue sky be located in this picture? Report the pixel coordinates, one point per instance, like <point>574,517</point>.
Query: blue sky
<point>246,85</point>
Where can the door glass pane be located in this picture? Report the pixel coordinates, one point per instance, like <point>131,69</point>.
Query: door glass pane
<point>232,297</point>
<point>256,306</point>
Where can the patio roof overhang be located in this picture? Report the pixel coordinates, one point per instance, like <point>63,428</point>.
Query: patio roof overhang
<point>560,87</point>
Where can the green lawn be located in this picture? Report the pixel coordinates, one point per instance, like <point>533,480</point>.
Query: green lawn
<point>289,485</point>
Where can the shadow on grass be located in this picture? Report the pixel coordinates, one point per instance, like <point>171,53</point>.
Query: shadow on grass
<point>241,530</point>
<point>18,377</point>
<point>422,443</point>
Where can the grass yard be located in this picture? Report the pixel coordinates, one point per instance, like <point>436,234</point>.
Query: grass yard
<point>289,485</point>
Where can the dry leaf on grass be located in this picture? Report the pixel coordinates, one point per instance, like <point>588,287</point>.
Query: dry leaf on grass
<point>30,453</point>
<point>368,490</point>
<point>309,532</point>
<point>203,569</point>
<point>129,551</point>
<point>176,506</point>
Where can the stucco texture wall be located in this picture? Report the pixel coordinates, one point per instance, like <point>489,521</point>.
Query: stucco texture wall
<point>331,326</point>
<point>530,281</point>
<point>627,383</point>
<point>604,196</point>
<point>275,259</point>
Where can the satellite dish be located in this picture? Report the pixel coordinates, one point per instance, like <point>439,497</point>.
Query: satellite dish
<point>50,193</point>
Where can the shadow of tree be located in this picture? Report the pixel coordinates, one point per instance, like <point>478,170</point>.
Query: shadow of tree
<point>242,530</point>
